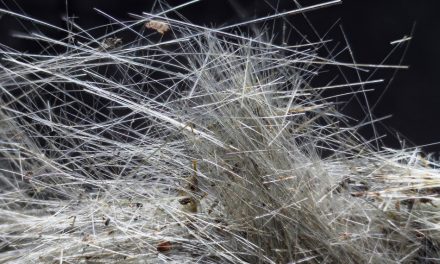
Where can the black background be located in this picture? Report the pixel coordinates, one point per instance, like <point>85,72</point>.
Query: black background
<point>370,25</point>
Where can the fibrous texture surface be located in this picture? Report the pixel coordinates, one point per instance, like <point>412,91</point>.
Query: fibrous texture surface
<point>190,144</point>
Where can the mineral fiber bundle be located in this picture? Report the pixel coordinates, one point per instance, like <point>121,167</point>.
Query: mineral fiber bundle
<point>185,143</point>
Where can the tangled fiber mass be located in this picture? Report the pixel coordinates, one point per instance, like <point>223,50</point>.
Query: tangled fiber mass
<point>190,144</point>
